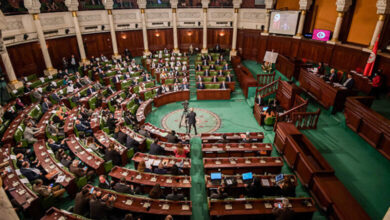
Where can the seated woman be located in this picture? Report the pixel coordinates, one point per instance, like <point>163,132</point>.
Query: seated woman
<point>180,152</point>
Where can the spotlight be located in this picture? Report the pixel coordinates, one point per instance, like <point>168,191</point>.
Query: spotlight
<point>25,36</point>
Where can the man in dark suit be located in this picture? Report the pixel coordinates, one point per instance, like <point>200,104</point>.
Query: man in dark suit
<point>45,105</point>
<point>76,99</point>
<point>81,202</point>
<point>226,67</point>
<point>122,187</point>
<point>115,79</point>
<point>82,127</point>
<point>155,148</point>
<point>349,83</point>
<point>109,89</point>
<point>175,196</point>
<point>100,208</point>
<point>73,63</point>
<point>131,143</point>
<point>223,85</point>
<point>228,78</point>
<point>172,138</point>
<point>90,90</point>
<point>205,63</point>
<point>214,79</point>
<point>30,173</point>
<point>200,85</point>
<point>104,183</point>
<point>206,72</point>
<point>185,86</point>
<point>55,97</point>
<point>191,120</point>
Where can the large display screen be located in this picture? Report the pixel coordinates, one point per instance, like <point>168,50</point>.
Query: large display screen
<point>284,22</point>
<point>322,35</point>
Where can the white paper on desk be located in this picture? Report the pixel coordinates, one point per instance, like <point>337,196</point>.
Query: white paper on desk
<point>156,162</point>
<point>60,179</point>
<point>24,180</point>
<point>18,172</point>
<point>148,163</point>
<point>89,150</point>
<point>13,157</point>
<point>50,151</point>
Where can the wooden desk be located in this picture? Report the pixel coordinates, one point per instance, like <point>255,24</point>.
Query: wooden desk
<point>137,137</point>
<point>148,180</point>
<point>170,147</point>
<point>139,204</point>
<point>170,97</point>
<point>161,134</point>
<point>245,78</point>
<point>370,125</point>
<point>234,165</point>
<point>105,140</point>
<point>332,197</point>
<point>109,98</point>
<point>167,160</point>
<point>362,83</point>
<point>86,156</point>
<point>304,158</point>
<point>267,181</point>
<point>69,122</point>
<point>327,95</point>
<point>55,214</point>
<point>231,137</point>
<point>143,110</point>
<point>44,121</point>
<point>213,94</point>
<point>53,167</point>
<point>22,194</point>
<point>315,173</point>
<point>95,120</point>
<point>236,150</point>
<point>8,136</point>
<point>236,208</point>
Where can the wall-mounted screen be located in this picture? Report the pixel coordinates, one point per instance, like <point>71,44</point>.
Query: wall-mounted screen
<point>322,35</point>
<point>284,22</point>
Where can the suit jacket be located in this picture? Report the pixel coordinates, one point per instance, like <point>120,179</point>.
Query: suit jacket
<point>90,91</point>
<point>120,137</point>
<point>172,138</point>
<point>122,188</point>
<point>45,106</point>
<point>80,203</point>
<point>214,79</point>
<point>77,171</point>
<point>36,95</point>
<point>131,143</point>
<point>115,79</point>
<point>29,174</point>
<point>114,156</point>
<point>259,101</point>
<point>349,83</point>
<point>98,209</point>
<point>223,86</point>
<point>228,79</point>
<point>42,190</point>
<point>55,97</point>
<point>156,149</point>
<point>81,127</point>
<point>200,86</point>
<point>191,118</point>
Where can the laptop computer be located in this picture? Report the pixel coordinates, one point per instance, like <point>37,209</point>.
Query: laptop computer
<point>216,178</point>
<point>279,178</point>
<point>247,177</point>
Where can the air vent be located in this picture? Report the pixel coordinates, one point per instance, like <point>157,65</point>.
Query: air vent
<point>50,32</point>
<point>9,38</point>
<point>222,23</point>
<point>158,23</point>
<point>123,25</point>
<point>189,23</point>
<point>90,27</point>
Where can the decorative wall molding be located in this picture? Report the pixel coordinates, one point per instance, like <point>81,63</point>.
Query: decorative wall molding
<point>189,15</point>
<point>53,21</point>
<point>220,15</point>
<point>270,4</point>
<point>343,5</point>
<point>305,4</point>
<point>72,5</point>
<point>89,18</point>
<point>33,6</point>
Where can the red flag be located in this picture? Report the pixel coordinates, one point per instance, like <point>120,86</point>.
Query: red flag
<point>371,59</point>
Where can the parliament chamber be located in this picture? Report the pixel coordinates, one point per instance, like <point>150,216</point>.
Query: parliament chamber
<point>195,109</point>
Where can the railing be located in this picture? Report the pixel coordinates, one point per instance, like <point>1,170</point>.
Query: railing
<point>300,106</point>
<point>265,79</point>
<point>268,89</point>
<point>306,120</point>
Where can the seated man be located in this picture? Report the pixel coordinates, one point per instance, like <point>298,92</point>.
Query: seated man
<point>30,173</point>
<point>80,171</point>
<point>200,85</point>
<point>82,127</point>
<point>223,85</point>
<point>156,149</point>
<point>122,187</point>
<point>55,147</point>
<point>90,90</point>
<point>175,196</point>
<point>47,191</point>
<point>349,83</point>
<point>29,133</point>
<point>53,130</point>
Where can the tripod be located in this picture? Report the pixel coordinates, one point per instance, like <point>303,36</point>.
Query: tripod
<point>184,115</point>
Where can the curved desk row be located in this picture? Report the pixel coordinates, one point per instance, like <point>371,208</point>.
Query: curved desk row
<point>236,150</point>
<point>213,94</point>
<point>170,97</point>
<point>168,161</point>
<point>231,137</point>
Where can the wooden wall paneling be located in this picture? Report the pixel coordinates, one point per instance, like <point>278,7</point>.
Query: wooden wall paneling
<point>384,64</point>
<point>27,59</point>
<point>240,39</point>
<point>189,36</point>
<point>159,39</point>
<point>263,41</point>
<point>250,42</point>
<point>315,50</point>
<point>221,36</point>
<point>62,47</point>
<point>132,40</point>
<point>355,58</point>
<point>96,44</point>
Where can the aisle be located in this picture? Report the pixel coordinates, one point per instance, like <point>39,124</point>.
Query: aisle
<point>192,78</point>
<point>198,189</point>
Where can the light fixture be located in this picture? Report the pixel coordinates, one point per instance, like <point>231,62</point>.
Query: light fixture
<point>157,34</point>
<point>189,33</point>
<point>222,33</point>
<point>124,36</point>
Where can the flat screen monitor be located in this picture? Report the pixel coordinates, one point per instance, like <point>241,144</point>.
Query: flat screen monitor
<point>247,176</point>
<point>322,35</point>
<point>216,176</point>
<point>284,22</point>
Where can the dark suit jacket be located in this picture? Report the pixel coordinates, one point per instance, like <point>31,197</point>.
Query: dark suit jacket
<point>29,174</point>
<point>122,188</point>
<point>131,143</point>
<point>114,156</point>
<point>200,86</point>
<point>120,137</point>
<point>90,91</point>
<point>191,118</point>
<point>98,209</point>
<point>156,149</point>
<point>80,203</point>
<point>172,138</point>
<point>223,86</point>
<point>350,84</point>
<point>45,106</point>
